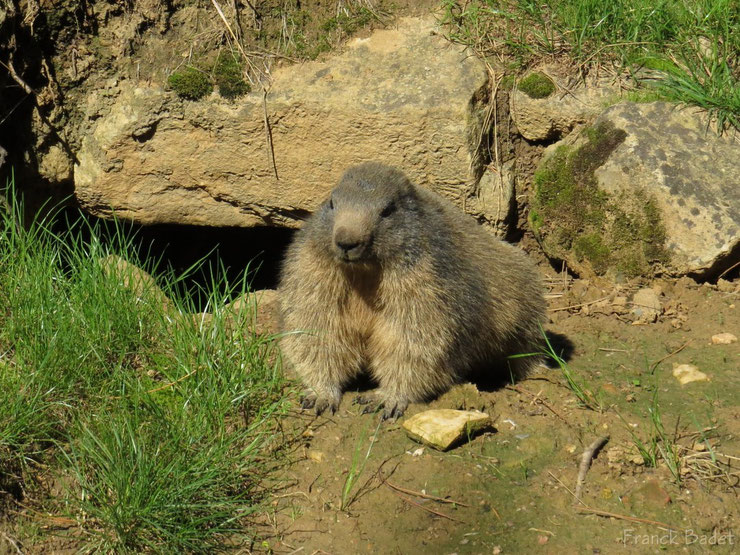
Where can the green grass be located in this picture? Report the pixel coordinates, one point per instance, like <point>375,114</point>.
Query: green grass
<point>586,397</point>
<point>159,426</point>
<point>659,446</point>
<point>690,47</point>
<point>358,466</point>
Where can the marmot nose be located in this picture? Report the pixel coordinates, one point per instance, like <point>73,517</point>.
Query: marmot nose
<point>347,244</point>
<point>347,240</point>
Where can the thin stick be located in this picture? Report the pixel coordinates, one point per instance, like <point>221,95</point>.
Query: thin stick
<point>255,13</point>
<point>237,21</point>
<point>728,270</point>
<point>578,305</point>
<point>268,132</point>
<point>165,386</point>
<point>566,488</point>
<point>537,399</point>
<point>588,455</point>
<point>424,495</point>
<point>12,542</point>
<point>412,502</point>
<point>58,520</point>
<point>669,355</point>
<point>178,380</point>
<point>236,40</point>
<point>624,517</point>
<point>17,78</point>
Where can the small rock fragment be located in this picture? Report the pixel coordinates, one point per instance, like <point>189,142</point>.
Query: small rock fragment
<point>687,373</point>
<point>646,305</point>
<point>723,339</point>
<point>316,456</point>
<point>443,428</point>
<point>725,286</point>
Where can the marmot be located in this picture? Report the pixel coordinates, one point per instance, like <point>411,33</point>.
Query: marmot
<point>389,278</point>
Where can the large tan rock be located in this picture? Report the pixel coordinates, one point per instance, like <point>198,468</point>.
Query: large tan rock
<point>404,96</point>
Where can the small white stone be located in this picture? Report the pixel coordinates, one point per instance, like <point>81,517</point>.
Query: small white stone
<point>723,339</point>
<point>687,373</point>
<point>316,456</point>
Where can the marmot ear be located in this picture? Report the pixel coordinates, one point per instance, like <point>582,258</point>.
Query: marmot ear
<point>409,200</point>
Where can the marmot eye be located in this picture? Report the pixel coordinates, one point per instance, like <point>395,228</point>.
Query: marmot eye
<point>388,210</point>
<point>331,204</point>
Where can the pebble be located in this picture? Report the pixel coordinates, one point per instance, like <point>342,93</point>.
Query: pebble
<point>646,305</point>
<point>687,373</point>
<point>443,428</point>
<point>723,339</point>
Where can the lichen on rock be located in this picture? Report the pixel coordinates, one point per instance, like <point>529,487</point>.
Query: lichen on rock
<point>594,230</point>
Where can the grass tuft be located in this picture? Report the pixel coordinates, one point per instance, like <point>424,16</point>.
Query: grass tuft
<point>157,422</point>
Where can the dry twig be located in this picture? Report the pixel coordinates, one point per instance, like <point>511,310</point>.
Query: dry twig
<point>586,459</point>
<point>437,513</point>
<point>268,132</point>
<point>559,481</point>
<point>624,517</point>
<point>669,355</point>
<point>579,305</point>
<point>424,495</point>
<point>12,542</point>
<point>728,270</point>
<point>17,78</point>
<point>538,400</point>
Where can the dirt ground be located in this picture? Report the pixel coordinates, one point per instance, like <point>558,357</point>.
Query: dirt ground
<point>512,490</point>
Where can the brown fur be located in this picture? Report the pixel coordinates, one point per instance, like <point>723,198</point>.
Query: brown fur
<point>391,279</point>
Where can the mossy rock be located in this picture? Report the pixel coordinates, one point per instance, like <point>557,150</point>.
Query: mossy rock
<point>595,231</point>
<point>537,85</point>
<point>190,83</point>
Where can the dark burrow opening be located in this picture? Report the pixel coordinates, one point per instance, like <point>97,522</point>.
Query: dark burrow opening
<point>220,255</point>
<point>234,253</point>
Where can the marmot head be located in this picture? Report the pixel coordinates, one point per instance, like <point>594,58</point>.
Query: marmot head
<point>371,214</point>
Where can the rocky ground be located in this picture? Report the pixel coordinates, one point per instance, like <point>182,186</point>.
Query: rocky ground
<point>512,489</point>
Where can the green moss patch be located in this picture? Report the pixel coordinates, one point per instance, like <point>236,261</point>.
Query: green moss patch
<point>595,231</point>
<point>537,85</point>
<point>229,76</point>
<point>190,83</point>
